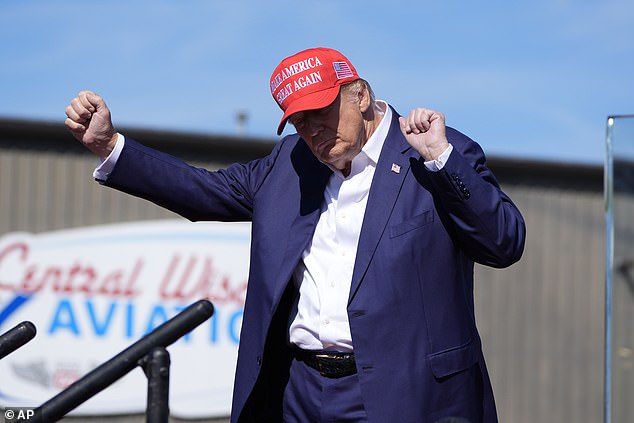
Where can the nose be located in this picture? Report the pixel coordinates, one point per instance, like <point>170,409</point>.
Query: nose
<point>314,127</point>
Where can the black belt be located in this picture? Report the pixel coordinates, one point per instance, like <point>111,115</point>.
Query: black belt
<point>329,364</point>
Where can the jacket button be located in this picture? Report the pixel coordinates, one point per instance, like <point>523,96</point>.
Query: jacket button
<point>259,360</point>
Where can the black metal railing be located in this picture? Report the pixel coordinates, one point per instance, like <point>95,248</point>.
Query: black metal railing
<point>16,337</point>
<point>149,353</point>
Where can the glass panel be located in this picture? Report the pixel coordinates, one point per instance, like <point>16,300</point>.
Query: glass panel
<point>620,270</point>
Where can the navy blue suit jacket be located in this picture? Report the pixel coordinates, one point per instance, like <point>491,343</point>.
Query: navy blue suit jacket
<point>410,307</point>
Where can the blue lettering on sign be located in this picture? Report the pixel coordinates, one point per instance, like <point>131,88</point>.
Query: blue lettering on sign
<point>99,320</point>
<point>64,318</point>
<point>234,331</point>
<point>100,327</point>
<point>129,321</point>
<point>213,332</point>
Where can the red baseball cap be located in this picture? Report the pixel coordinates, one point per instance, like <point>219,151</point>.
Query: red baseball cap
<point>310,80</point>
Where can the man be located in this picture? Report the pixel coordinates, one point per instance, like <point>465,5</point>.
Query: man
<point>365,229</point>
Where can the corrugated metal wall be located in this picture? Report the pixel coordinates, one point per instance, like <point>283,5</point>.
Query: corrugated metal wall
<point>42,191</point>
<point>541,320</point>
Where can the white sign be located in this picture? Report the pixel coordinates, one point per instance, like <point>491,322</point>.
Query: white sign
<point>94,291</point>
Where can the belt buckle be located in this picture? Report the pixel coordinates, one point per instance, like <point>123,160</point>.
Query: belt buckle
<point>328,364</point>
<point>320,363</point>
<point>326,355</point>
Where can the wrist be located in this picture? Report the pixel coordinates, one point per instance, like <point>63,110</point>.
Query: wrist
<point>104,148</point>
<point>434,152</point>
<point>438,163</point>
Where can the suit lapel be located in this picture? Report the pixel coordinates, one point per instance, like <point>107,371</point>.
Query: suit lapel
<point>389,176</point>
<point>313,178</point>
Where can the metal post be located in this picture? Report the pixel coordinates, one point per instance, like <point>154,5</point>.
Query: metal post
<point>156,366</point>
<point>609,264</point>
<point>16,337</point>
<point>107,373</point>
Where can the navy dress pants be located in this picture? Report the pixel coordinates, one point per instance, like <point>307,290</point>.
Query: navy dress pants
<point>310,397</point>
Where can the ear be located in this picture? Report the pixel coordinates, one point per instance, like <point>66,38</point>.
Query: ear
<point>364,99</point>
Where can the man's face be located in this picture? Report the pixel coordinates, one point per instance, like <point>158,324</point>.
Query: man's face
<point>336,133</point>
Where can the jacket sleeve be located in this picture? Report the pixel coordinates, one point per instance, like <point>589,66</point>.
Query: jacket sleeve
<point>482,218</point>
<point>194,193</point>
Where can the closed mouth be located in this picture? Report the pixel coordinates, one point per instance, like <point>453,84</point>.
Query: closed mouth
<point>322,144</point>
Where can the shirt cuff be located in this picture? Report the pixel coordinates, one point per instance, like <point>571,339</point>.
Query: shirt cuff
<point>439,163</point>
<point>103,170</point>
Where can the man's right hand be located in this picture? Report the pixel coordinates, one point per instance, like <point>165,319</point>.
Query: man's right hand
<point>89,121</point>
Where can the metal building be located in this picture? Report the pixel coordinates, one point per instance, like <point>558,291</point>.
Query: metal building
<point>541,320</point>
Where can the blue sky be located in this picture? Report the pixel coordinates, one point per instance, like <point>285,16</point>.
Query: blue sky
<point>532,80</point>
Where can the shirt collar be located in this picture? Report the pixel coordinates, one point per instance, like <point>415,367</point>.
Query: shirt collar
<point>373,147</point>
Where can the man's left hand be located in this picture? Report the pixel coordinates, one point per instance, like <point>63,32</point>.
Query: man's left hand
<point>424,129</point>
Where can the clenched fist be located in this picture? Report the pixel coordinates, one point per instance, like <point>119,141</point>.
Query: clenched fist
<point>424,130</point>
<point>89,121</point>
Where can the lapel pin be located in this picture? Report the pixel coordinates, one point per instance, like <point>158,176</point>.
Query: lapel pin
<point>396,168</point>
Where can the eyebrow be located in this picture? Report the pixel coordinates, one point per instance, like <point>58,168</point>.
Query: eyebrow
<point>295,116</point>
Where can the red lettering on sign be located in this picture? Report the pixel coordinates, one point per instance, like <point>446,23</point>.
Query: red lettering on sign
<point>196,279</point>
<point>76,278</point>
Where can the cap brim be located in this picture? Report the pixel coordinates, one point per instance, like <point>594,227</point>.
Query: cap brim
<point>312,101</point>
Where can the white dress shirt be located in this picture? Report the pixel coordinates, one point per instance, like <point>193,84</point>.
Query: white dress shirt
<point>324,274</point>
